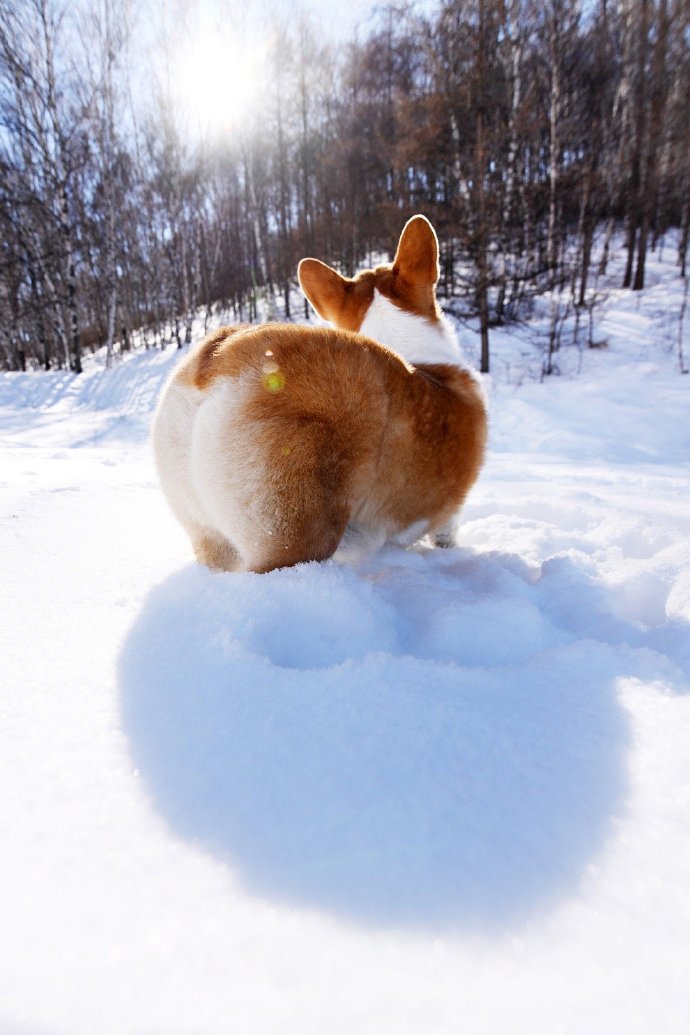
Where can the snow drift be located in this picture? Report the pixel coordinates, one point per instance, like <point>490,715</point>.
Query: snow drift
<point>441,789</point>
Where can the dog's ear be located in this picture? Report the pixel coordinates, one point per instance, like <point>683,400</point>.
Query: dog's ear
<point>324,287</point>
<point>416,260</point>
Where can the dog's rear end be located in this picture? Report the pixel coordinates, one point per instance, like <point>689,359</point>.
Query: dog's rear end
<point>279,444</point>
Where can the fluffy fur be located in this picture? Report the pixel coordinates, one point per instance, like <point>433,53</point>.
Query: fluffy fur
<point>279,444</point>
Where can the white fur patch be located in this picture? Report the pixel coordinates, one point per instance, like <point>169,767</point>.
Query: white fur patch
<point>358,543</point>
<point>227,469</point>
<point>208,465</point>
<point>172,443</point>
<point>411,535</point>
<point>417,339</point>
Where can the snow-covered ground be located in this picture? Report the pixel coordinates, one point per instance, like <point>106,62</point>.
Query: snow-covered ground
<point>446,791</point>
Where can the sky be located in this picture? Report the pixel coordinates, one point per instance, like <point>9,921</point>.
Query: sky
<point>211,56</point>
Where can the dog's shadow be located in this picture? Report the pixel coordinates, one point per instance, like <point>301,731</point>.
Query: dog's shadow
<point>314,729</point>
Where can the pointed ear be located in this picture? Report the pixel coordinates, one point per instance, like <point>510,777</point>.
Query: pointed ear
<point>324,288</point>
<point>416,259</point>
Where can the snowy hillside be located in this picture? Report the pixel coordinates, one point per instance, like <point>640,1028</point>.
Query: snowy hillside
<point>444,791</point>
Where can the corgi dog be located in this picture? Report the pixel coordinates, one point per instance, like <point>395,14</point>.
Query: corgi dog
<point>277,444</point>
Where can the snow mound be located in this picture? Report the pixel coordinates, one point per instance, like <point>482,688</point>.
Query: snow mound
<point>417,742</point>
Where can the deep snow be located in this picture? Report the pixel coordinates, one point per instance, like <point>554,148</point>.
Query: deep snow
<point>441,791</point>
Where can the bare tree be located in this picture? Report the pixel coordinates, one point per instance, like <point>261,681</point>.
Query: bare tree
<point>519,128</point>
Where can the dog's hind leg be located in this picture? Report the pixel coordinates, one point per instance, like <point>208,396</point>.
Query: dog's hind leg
<point>215,551</point>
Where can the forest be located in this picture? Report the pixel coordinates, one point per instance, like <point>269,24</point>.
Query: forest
<point>530,133</point>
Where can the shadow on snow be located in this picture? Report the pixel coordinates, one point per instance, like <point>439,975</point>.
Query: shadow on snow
<point>416,744</point>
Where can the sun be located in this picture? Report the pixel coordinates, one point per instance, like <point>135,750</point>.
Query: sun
<point>220,79</point>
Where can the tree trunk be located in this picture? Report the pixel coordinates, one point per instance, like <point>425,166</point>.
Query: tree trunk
<point>479,170</point>
<point>635,186</point>
<point>656,117</point>
<point>554,145</point>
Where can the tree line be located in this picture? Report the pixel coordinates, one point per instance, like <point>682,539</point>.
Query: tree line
<point>524,130</point>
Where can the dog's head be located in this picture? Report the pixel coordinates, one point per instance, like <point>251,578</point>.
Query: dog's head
<point>409,283</point>
<point>395,305</point>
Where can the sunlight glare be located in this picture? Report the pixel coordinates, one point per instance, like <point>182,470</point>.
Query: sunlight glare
<point>221,80</point>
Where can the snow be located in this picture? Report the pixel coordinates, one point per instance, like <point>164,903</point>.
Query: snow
<point>438,791</point>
